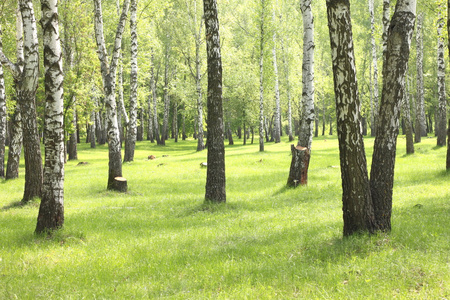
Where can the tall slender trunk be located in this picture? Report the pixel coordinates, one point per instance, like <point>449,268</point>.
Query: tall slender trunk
<point>2,115</point>
<point>442,111</point>
<point>164,133</point>
<point>150,131</point>
<point>198,83</point>
<point>277,111</point>
<point>72,148</point>
<point>109,86</point>
<point>386,21</point>
<point>130,142</point>
<point>175,121</point>
<point>215,175</point>
<point>92,129</point>
<point>261,79</point>
<point>374,87</point>
<point>406,112</point>
<point>154,97</point>
<point>308,113</point>
<point>421,127</point>
<point>51,210</point>
<point>394,71</point>
<point>356,199</point>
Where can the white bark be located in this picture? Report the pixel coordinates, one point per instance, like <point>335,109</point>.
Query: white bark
<point>132,125</point>
<point>442,111</point>
<point>51,211</point>
<point>2,115</point>
<point>421,127</point>
<point>386,21</point>
<point>374,86</point>
<point>277,111</point>
<point>308,114</point>
<point>261,79</point>
<point>109,85</point>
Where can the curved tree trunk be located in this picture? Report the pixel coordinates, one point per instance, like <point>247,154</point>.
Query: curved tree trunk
<point>26,96</point>
<point>442,112</point>
<point>130,142</point>
<point>109,86</point>
<point>394,71</point>
<point>51,210</point>
<point>357,204</point>
<point>215,175</point>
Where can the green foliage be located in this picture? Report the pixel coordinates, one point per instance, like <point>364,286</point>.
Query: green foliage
<point>160,240</point>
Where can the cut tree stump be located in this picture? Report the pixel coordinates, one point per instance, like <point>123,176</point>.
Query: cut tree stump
<point>298,174</point>
<point>120,184</point>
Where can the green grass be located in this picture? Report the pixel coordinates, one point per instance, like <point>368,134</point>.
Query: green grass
<point>160,240</point>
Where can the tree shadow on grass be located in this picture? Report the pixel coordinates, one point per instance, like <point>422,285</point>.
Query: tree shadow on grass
<point>19,204</point>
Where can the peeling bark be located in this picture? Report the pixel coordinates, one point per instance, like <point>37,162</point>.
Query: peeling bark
<point>394,71</point>
<point>357,205</point>
<point>51,210</point>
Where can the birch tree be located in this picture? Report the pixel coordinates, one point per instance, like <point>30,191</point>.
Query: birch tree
<point>130,142</point>
<point>277,111</point>
<point>357,205</point>
<point>262,43</point>
<point>394,72</point>
<point>109,85</point>
<point>386,20</point>
<point>374,86</point>
<point>406,114</point>
<point>421,128</point>
<point>308,114</point>
<point>154,97</point>
<point>215,175</point>
<point>51,210</point>
<point>26,73</point>
<point>2,115</point>
<point>441,130</point>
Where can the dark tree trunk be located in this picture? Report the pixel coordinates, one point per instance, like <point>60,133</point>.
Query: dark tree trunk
<point>239,132</point>
<point>331,126</point>
<point>175,121</point>
<point>245,135</point>
<point>72,143</point>
<point>230,135</point>
<point>364,126</point>
<point>15,144</point>
<point>253,134</point>
<point>298,174</point>
<point>316,131</point>
<point>215,176</point>
<point>357,205</point>
<point>394,71</point>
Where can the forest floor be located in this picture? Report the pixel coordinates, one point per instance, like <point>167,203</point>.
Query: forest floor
<point>159,240</point>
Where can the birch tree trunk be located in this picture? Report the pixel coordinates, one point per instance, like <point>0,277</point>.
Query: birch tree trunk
<point>308,113</point>
<point>175,121</point>
<point>164,133</point>
<point>72,149</point>
<point>261,78</point>
<point>15,144</point>
<point>406,109</point>
<point>394,71</point>
<point>374,87</point>
<point>51,210</point>
<point>421,127</point>
<point>288,94</point>
<point>198,78</point>
<point>442,112</point>
<point>130,142</point>
<point>215,175</point>
<point>109,86</point>
<point>277,112</point>
<point>92,128</point>
<point>356,198</point>
<point>386,21</point>
<point>26,97</point>
<point>154,97</point>
<point>150,131</point>
<point>2,115</point>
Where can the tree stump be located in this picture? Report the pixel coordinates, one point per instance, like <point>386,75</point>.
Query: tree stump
<point>120,184</point>
<point>298,174</point>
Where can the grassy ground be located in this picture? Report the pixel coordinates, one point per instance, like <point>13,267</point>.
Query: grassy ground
<point>160,241</point>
